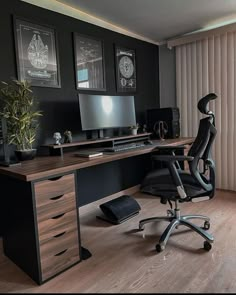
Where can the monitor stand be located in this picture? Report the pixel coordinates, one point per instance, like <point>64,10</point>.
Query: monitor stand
<point>100,133</point>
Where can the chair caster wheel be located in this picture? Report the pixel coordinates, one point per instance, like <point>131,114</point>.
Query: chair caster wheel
<point>206,225</point>
<point>207,246</point>
<point>160,248</point>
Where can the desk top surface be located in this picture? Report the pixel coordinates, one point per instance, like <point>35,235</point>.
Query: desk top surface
<point>48,166</point>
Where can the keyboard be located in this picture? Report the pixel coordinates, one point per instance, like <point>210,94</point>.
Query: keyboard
<point>124,147</point>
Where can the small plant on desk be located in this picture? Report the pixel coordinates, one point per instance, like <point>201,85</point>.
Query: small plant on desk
<point>134,129</point>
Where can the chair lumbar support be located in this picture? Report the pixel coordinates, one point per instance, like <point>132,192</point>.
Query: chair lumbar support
<point>175,219</point>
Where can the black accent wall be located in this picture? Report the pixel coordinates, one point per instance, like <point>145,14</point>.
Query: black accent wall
<point>60,105</point>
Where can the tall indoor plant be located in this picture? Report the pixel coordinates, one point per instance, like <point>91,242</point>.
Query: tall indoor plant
<point>19,107</point>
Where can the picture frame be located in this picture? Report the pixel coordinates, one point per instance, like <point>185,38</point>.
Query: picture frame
<point>89,63</point>
<point>36,53</point>
<point>125,60</point>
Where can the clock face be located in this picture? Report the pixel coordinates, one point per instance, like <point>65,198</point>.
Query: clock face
<point>126,66</point>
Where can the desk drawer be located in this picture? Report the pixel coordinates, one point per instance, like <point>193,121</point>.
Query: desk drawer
<point>57,244</point>
<point>56,207</point>
<point>53,189</point>
<point>57,257</point>
<point>49,228</point>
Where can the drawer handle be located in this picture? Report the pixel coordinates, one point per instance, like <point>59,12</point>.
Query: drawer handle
<point>58,216</point>
<point>56,198</point>
<point>55,178</point>
<point>60,253</point>
<point>59,235</point>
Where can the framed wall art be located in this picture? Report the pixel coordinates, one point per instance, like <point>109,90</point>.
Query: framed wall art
<point>89,63</point>
<point>125,69</point>
<point>36,54</point>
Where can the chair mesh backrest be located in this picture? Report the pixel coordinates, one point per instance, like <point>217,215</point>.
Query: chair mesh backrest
<point>201,148</point>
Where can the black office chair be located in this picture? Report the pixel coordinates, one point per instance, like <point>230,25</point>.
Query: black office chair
<point>173,184</point>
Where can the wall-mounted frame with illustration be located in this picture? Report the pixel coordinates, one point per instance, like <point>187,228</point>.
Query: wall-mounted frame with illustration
<point>125,69</point>
<point>36,53</point>
<point>89,63</point>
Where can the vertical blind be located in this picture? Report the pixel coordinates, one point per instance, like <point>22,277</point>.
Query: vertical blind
<point>203,67</point>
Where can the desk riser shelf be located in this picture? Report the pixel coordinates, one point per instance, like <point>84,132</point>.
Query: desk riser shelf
<point>55,150</point>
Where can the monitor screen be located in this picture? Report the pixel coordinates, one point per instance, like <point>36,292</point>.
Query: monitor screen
<point>104,111</point>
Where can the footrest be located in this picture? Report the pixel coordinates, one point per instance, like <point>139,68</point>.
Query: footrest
<point>119,210</point>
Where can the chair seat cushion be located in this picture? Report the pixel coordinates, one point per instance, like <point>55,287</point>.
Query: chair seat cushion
<point>160,183</point>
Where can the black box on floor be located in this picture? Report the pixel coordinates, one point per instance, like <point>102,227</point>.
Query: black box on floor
<point>120,209</point>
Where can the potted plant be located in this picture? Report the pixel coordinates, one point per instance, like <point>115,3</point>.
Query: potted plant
<point>134,129</point>
<point>19,107</point>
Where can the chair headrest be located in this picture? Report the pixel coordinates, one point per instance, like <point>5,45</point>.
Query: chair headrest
<point>203,103</point>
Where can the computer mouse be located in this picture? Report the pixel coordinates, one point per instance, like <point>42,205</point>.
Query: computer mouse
<point>147,142</point>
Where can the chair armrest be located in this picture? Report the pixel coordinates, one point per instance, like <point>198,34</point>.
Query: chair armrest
<point>170,150</point>
<point>171,158</point>
<point>174,172</point>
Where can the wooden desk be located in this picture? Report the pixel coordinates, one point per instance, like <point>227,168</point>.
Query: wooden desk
<point>42,233</point>
<point>48,166</point>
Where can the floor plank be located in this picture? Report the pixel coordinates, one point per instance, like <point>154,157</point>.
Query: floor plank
<point>124,260</point>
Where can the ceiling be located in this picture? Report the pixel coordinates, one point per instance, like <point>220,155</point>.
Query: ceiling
<point>159,20</point>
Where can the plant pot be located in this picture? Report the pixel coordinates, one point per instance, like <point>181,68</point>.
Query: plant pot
<point>23,155</point>
<point>134,131</point>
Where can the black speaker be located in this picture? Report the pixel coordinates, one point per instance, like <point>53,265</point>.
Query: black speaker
<point>120,209</point>
<point>168,115</point>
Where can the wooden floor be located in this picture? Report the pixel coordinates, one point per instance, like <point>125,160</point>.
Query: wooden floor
<point>124,261</point>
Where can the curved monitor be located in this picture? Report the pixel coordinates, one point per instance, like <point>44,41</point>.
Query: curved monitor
<point>105,111</point>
